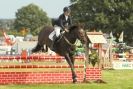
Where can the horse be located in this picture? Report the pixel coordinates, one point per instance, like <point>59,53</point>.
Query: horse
<point>65,46</point>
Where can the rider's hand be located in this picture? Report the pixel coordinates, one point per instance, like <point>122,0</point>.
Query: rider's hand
<point>63,32</point>
<point>66,30</point>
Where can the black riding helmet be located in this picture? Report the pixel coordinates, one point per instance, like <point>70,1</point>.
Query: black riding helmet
<point>66,9</point>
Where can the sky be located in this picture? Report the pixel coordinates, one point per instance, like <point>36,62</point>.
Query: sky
<point>53,8</point>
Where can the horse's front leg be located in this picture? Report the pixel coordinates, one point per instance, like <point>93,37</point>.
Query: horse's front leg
<point>69,61</point>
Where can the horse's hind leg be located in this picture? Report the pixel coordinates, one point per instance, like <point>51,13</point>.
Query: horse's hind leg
<point>44,48</point>
<point>37,48</point>
<point>69,61</point>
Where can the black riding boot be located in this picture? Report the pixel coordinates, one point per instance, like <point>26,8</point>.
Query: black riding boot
<point>53,42</point>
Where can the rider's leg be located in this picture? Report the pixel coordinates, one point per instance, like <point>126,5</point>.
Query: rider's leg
<point>57,34</point>
<point>57,31</point>
<point>53,41</point>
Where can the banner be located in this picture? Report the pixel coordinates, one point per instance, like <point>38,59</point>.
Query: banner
<point>122,65</point>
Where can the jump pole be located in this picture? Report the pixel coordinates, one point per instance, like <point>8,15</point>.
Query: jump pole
<point>85,61</point>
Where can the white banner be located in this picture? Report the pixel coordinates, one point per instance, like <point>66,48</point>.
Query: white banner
<point>122,65</point>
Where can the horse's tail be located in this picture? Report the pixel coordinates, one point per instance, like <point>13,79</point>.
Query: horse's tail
<point>37,48</point>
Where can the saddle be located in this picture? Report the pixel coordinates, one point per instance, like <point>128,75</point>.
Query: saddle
<point>55,41</point>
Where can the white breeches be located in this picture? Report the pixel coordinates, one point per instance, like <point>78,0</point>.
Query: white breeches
<point>55,32</point>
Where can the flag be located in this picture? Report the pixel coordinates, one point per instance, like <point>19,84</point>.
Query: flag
<point>121,37</point>
<point>8,39</point>
<point>5,35</point>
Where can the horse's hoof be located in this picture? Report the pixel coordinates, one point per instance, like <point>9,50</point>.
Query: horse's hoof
<point>100,81</point>
<point>86,81</point>
<point>74,80</point>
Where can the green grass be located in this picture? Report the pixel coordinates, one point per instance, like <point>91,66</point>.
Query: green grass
<point>116,79</point>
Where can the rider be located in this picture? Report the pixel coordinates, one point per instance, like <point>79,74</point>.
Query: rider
<point>63,23</point>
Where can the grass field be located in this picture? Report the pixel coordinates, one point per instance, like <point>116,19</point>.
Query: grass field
<point>116,79</point>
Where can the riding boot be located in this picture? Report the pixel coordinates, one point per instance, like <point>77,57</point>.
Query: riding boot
<point>53,42</point>
<point>60,36</point>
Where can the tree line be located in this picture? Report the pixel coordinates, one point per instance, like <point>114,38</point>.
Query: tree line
<point>106,15</point>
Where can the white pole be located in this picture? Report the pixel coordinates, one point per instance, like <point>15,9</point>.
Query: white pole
<point>85,60</point>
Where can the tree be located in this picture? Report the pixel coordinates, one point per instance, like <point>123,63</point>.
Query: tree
<point>31,17</point>
<point>89,12</point>
<point>105,15</point>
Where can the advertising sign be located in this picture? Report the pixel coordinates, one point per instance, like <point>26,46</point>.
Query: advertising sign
<point>122,65</point>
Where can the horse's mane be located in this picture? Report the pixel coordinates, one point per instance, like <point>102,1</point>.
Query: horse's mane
<point>75,27</point>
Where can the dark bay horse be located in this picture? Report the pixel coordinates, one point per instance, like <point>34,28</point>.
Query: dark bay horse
<point>65,46</point>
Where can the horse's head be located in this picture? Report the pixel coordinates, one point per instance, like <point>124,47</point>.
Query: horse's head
<point>79,33</point>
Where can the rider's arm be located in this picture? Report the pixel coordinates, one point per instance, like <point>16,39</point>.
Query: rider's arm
<point>61,22</point>
<point>66,30</point>
<point>70,21</point>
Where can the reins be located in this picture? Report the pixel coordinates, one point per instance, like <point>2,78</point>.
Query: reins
<point>70,42</point>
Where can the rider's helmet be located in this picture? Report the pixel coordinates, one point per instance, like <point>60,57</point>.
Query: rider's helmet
<point>66,9</point>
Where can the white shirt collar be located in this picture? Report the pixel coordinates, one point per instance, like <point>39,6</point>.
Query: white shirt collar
<point>66,17</point>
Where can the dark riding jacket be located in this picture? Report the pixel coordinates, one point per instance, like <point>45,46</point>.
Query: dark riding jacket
<point>63,23</point>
